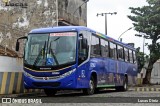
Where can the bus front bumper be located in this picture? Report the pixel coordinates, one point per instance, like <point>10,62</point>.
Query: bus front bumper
<point>67,82</point>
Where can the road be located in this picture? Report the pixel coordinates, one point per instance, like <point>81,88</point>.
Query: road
<point>104,97</point>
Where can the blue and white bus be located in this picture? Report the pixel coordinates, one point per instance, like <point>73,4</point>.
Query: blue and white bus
<point>76,57</point>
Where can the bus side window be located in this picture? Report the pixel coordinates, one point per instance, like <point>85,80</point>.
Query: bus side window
<point>134,57</point>
<point>82,52</point>
<point>95,46</point>
<point>120,53</point>
<point>104,48</point>
<point>113,53</point>
<point>126,55</point>
<point>130,56</point>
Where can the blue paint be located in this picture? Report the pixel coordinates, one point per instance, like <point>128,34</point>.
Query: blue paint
<point>108,71</point>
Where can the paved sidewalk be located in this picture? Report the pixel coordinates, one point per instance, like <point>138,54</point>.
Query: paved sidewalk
<point>145,88</point>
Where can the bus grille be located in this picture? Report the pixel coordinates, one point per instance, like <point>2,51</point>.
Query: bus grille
<point>41,84</point>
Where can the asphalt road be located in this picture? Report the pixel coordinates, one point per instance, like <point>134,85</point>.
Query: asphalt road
<point>104,97</point>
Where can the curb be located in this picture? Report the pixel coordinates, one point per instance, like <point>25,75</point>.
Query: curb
<point>143,89</point>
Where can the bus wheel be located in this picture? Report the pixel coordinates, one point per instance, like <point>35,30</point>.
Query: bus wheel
<point>50,92</point>
<point>97,90</point>
<point>125,84</point>
<point>91,89</point>
<point>124,87</point>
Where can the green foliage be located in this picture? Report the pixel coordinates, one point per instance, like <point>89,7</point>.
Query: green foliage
<point>147,22</point>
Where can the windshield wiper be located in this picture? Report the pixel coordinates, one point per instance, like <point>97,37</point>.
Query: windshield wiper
<point>56,38</point>
<point>52,53</point>
<point>40,53</point>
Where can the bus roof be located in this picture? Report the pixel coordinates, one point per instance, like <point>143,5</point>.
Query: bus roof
<point>77,28</point>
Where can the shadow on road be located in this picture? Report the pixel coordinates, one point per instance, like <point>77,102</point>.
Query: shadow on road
<point>78,93</point>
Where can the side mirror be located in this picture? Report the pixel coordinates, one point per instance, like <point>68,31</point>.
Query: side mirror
<point>17,45</point>
<point>84,43</point>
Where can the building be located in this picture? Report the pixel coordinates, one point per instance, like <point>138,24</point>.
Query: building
<point>17,21</point>
<point>72,12</point>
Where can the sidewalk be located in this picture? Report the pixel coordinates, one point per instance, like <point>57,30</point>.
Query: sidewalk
<point>144,88</point>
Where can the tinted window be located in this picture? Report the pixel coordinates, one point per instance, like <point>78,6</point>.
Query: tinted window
<point>83,52</point>
<point>126,54</point>
<point>113,53</point>
<point>95,47</point>
<point>104,48</point>
<point>130,56</point>
<point>120,53</point>
<point>86,35</point>
<point>134,57</point>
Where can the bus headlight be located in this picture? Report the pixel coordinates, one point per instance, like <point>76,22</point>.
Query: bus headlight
<point>27,74</point>
<point>67,73</point>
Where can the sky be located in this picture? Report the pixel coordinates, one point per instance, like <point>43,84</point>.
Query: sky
<point>116,24</point>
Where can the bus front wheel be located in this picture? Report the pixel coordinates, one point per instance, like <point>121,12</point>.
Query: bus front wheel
<point>91,89</point>
<point>50,92</point>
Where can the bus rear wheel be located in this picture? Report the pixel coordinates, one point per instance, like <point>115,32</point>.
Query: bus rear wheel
<point>91,89</point>
<point>50,92</point>
<point>125,85</point>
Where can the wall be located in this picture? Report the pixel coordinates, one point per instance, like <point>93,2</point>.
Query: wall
<point>155,75</point>
<point>11,78</point>
<point>69,12</point>
<point>16,21</point>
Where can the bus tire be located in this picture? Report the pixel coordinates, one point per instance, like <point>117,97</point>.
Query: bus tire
<point>125,85</point>
<point>91,89</point>
<point>97,90</point>
<point>50,92</point>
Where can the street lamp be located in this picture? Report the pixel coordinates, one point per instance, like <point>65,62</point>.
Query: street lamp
<point>144,37</point>
<point>124,32</point>
<point>102,14</point>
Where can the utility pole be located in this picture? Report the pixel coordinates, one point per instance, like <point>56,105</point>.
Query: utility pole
<point>105,14</point>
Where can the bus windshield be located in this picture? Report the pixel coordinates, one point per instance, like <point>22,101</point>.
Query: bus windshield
<point>50,49</point>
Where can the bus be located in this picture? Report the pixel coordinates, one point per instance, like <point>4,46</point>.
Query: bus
<point>76,57</point>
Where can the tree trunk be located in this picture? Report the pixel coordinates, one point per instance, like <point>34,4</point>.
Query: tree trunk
<point>153,59</point>
<point>147,78</point>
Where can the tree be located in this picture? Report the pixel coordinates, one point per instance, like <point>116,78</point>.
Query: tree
<point>147,22</point>
<point>142,58</point>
